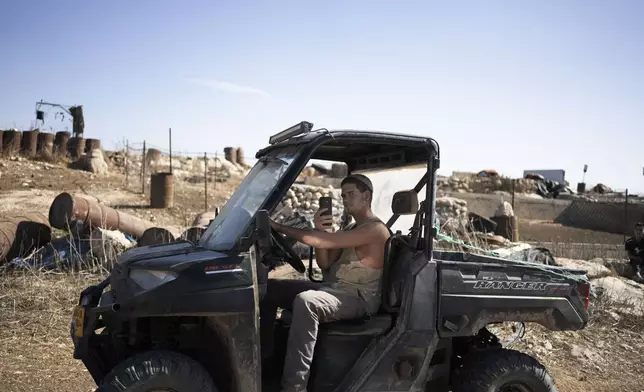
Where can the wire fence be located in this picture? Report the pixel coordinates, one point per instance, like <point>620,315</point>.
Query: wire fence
<point>140,160</point>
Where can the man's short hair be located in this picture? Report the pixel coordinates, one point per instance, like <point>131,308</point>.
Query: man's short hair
<point>362,182</point>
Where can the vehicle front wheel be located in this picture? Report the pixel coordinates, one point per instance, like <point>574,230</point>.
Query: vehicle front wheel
<point>502,370</point>
<point>158,370</point>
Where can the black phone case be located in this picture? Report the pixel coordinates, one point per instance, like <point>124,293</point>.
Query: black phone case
<point>326,202</point>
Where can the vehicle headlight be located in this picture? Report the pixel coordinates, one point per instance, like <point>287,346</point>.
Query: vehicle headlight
<point>149,279</point>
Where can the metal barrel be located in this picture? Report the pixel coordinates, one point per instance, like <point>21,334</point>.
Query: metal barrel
<point>155,236</point>
<point>29,145</point>
<point>46,143</point>
<point>230,153</point>
<point>67,208</point>
<point>60,143</point>
<point>240,156</point>
<point>1,132</point>
<point>76,147</point>
<point>92,144</point>
<point>507,226</point>
<point>20,234</point>
<point>581,187</point>
<point>193,234</point>
<point>11,142</point>
<point>161,190</point>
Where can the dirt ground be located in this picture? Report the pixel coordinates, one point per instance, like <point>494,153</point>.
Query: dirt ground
<point>32,186</point>
<point>548,231</point>
<point>36,351</point>
<point>35,307</point>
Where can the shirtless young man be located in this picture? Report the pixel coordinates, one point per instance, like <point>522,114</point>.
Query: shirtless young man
<point>354,259</point>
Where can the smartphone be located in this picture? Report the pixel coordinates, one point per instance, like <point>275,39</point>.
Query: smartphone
<point>326,202</point>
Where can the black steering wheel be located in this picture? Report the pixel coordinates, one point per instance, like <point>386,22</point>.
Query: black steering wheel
<point>291,257</point>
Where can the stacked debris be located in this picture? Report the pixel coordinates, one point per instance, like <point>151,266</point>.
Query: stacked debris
<point>485,184</point>
<point>452,214</point>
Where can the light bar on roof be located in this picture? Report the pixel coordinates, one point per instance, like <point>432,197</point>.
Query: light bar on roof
<point>298,129</point>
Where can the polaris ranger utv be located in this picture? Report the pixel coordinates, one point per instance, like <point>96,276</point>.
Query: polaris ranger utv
<point>184,317</point>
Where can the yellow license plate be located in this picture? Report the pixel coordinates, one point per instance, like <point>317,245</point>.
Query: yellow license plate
<point>78,321</point>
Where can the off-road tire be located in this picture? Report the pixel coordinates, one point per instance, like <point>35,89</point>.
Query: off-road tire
<point>158,369</point>
<point>491,370</point>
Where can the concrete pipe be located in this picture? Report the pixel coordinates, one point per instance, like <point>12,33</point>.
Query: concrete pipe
<point>230,153</point>
<point>67,208</point>
<point>46,143</point>
<point>20,234</point>
<point>61,143</point>
<point>29,144</point>
<point>155,236</point>
<point>76,147</point>
<point>11,142</point>
<point>92,144</point>
<point>193,234</point>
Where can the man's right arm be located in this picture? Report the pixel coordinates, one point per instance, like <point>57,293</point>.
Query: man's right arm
<point>324,257</point>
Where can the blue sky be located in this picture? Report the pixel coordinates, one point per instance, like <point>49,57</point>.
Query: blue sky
<point>509,85</point>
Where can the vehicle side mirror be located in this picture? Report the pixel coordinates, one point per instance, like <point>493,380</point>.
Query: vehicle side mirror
<point>263,230</point>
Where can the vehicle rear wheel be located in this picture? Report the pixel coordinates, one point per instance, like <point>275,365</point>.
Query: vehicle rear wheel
<point>502,370</point>
<point>158,371</point>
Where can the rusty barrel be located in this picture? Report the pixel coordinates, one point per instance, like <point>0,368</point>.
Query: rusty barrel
<point>46,143</point>
<point>67,208</point>
<point>92,144</point>
<point>29,144</point>
<point>20,234</point>
<point>193,234</point>
<point>507,226</point>
<point>11,142</point>
<point>76,147</point>
<point>240,156</point>
<point>155,236</point>
<point>161,190</point>
<point>230,153</point>
<point>60,143</point>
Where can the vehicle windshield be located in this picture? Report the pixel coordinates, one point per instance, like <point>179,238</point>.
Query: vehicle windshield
<point>251,194</point>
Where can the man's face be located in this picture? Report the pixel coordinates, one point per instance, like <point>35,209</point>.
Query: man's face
<point>639,232</point>
<point>354,200</point>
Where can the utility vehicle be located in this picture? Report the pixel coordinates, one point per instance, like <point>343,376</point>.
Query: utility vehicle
<point>184,317</point>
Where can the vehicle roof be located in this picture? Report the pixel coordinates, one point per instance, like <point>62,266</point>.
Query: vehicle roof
<point>362,149</point>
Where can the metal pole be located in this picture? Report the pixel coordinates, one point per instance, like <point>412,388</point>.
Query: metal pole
<point>127,153</point>
<point>215,169</point>
<point>170,137</point>
<point>626,215</point>
<point>143,170</point>
<point>513,182</point>
<point>205,182</point>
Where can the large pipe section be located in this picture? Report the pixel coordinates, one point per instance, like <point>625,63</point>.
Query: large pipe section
<point>67,208</point>
<point>20,234</point>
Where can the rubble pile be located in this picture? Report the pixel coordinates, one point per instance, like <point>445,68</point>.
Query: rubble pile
<point>452,213</point>
<point>476,184</point>
<point>189,169</point>
<point>303,200</point>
